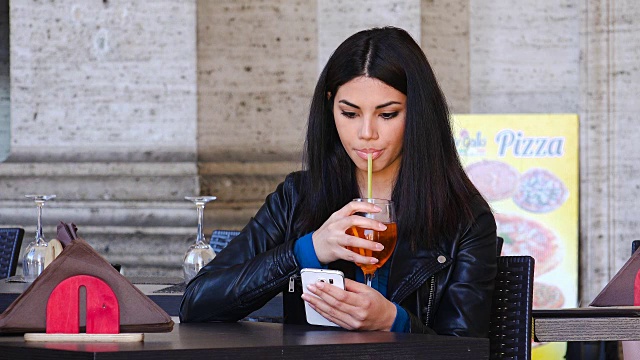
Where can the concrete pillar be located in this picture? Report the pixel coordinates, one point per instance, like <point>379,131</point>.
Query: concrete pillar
<point>524,58</point>
<point>338,19</point>
<point>445,41</point>
<point>5,115</point>
<point>610,79</point>
<point>256,73</point>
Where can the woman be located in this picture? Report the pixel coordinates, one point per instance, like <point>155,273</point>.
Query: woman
<point>377,94</point>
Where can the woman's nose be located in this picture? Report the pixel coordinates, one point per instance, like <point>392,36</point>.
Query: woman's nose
<point>368,130</point>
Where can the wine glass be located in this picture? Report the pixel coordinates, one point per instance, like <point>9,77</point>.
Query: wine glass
<point>387,238</point>
<point>200,253</point>
<point>33,261</point>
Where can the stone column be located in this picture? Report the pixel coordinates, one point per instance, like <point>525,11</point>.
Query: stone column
<point>445,41</point>
<point>5,124</point>
<point>338,19</point>
<point>525,58</point>
<point>610,160</point>
<point>256,74</point>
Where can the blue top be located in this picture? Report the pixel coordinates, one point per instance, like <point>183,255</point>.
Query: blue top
<point>306,256</point>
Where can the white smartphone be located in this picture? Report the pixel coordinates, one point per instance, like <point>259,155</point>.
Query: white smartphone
<point>312,276</point>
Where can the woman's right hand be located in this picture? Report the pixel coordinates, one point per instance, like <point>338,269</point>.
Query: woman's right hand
<point>330,241</point>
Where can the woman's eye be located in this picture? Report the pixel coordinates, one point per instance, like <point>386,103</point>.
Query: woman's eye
<point>348,114</point>
<point>389,115</point>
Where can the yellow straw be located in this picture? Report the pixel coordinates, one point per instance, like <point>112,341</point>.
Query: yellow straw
<point>369,175</point>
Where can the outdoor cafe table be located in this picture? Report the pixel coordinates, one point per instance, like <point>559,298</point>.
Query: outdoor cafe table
<point>255,340</point>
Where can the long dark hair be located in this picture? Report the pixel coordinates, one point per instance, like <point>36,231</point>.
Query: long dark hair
<point>432,192</point>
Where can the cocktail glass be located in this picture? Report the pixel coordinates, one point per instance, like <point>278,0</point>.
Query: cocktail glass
<point>387,238</point>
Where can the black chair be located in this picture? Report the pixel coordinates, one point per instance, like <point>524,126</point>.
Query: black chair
<point>10,242</point>
<point>499,242</point>
<point>510,329</point>
<point>220,239</point>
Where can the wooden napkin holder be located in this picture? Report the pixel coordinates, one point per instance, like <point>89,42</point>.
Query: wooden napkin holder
<point>102,313</point>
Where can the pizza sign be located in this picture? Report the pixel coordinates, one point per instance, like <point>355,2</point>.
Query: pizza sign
<point>526,167</point>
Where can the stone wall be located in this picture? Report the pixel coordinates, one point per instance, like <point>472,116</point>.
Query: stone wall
<point>123,108</point>
<point>609,82</point>
<point>104,115</point>
<point>5,124</point>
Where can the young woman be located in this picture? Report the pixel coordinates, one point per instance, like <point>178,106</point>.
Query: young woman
<point>376,95</point>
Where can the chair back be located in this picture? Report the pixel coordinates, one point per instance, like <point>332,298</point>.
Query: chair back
<point>634,246</point>
<point>499,242</point>
<point>10,242</point>
<point>220,239</point>
<point>511,327</point>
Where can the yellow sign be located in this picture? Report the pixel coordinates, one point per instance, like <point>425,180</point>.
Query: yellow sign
<point>526,166</point>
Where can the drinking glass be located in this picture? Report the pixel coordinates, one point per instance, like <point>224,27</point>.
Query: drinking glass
<point>33,260</point>
<point>200,253</point>
<point>387,238</point>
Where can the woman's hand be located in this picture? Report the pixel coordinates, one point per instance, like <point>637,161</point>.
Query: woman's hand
<point>359,307</point>
<point>330,241</point>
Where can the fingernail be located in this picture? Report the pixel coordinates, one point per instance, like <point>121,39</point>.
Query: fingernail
<point>382,227</point>
<point>379,247</point>
<point>374,260</point>
<point>377,208</point>
<point>311,287</point>
<point>304,297</point>
<point>320,285</point>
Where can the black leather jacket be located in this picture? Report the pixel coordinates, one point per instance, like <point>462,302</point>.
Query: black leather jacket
<point>445,291</point>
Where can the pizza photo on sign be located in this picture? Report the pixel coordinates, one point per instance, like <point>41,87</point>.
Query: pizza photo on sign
<point>496,180</point>
<point>547,296</point>
<point>540,191</point>
<point>528,237</point>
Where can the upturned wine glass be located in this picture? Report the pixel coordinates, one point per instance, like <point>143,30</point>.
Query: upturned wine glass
<point>33,261</point>
<point>200,253</point>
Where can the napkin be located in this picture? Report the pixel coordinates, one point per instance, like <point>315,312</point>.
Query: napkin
<point>66,233</point>
<point>138,313</point>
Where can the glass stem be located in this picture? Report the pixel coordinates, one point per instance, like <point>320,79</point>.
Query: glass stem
<point>200,209</point>
<point>368,278</point>
<point>39,228</point>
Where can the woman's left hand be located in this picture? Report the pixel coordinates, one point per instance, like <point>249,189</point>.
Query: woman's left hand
<point>359,307</point>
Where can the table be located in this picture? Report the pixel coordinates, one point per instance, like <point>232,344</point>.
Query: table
<point>587,324</point>
<point>258,341</point>
<point>591,333</point>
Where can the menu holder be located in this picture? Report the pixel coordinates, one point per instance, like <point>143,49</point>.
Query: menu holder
<point>622,289</point>
<point>137,313</point>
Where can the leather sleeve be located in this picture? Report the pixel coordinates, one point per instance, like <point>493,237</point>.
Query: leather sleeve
<point>465,306</point>
<point>250,270</point>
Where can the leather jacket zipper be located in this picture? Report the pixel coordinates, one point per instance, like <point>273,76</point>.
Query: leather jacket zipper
<point>292,282</point>
<point>432,291</point>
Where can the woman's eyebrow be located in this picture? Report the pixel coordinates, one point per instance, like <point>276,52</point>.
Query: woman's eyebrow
<point>377,107</point>
<point>349,104</point>
<point>387,104</point>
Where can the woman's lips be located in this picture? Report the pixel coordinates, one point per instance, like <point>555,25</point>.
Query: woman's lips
<point>364,153</point>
